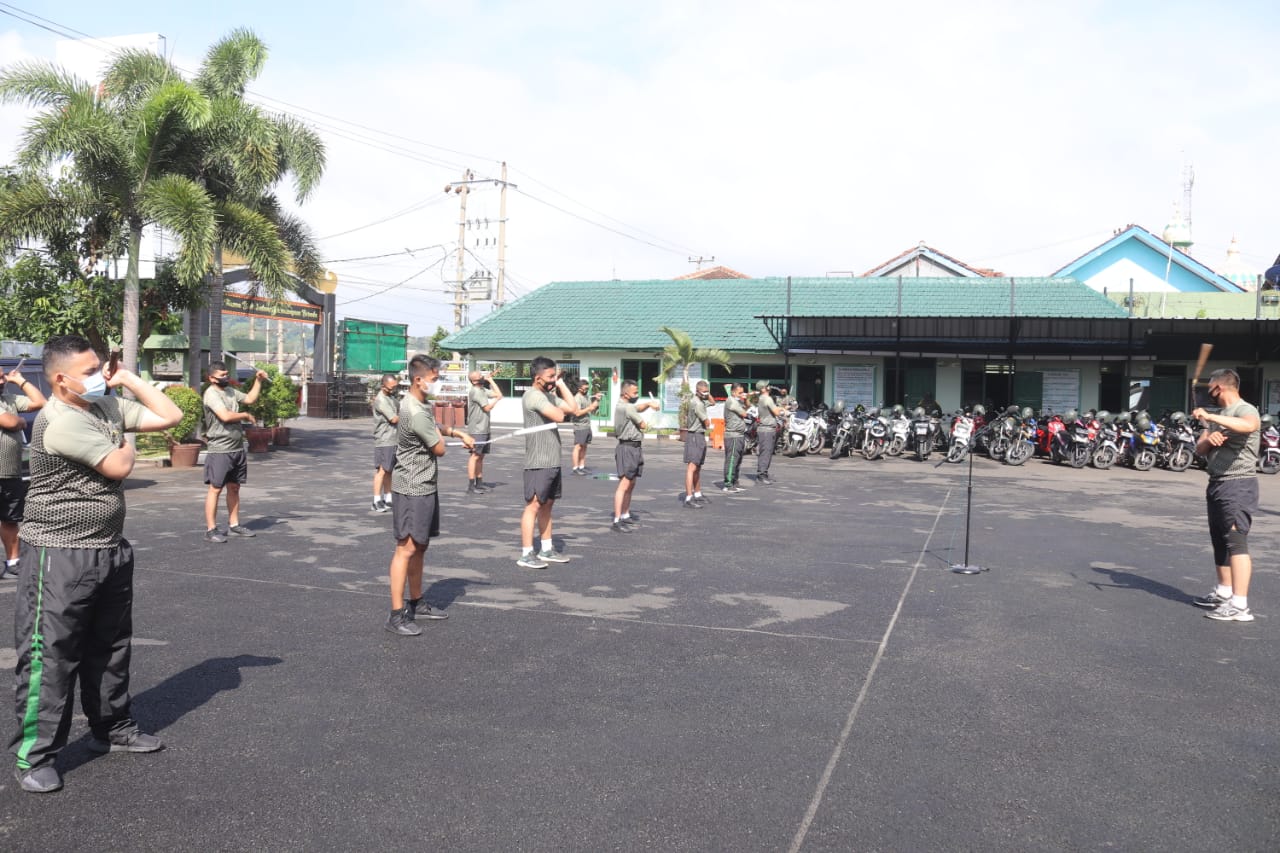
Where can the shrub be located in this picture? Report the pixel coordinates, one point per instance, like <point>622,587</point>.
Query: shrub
<point>188,400</point>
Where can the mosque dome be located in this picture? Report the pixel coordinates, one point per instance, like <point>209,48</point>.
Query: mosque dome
<point>1236,270</point>
<point>1177,233</point>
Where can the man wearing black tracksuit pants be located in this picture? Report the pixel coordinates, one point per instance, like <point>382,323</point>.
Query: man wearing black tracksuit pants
<point>735,437</point>
<point>74,614</point>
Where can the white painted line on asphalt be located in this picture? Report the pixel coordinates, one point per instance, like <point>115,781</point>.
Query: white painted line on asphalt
<point>809,814</point>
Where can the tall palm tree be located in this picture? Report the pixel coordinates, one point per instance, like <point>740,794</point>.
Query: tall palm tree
<point>239,156</point>
<point>124,148</point>
<point>681,353</point>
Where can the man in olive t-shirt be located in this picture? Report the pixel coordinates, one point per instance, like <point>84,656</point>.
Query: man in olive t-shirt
<point>386,414</point>
<point>482,396</point>
<point>547,402</point>
<point>695,445</point>
<point>1230,445</point>
<point>586,403</point>
<point>225,461</point>
<point>735,436</point>
<point>628,456</point>
<point>74,615</point>
<point>13,491</point>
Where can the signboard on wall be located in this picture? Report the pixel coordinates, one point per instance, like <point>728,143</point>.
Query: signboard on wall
<point>1061,390</point>
<point>854,383</point>
<point>671,391</point>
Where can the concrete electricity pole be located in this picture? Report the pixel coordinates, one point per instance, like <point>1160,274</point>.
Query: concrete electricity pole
<point>463,189</point>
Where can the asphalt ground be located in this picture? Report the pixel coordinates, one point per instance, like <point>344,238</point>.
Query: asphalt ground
<point>793,667</point>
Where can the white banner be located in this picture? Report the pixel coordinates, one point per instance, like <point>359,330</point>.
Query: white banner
<point>854,383</point>
<point>1061,390</point>
<point>671,391</point>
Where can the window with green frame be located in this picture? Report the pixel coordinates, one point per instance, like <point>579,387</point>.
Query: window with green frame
<point>747,374</point>
<point>643,371</point>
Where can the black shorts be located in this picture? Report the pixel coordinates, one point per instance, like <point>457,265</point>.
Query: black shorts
<point>629,459</point>
<point>582,435</point>
<point>480,449</point>
<point>542,484</point>
<point>695,448</point>
<point>223,468</point>
<point>385,458</point>
<point>1232,503</point>
<point>13,499</point>
<point>415,517</point>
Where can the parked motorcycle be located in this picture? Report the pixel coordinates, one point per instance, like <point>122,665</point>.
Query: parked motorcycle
<point>1144,443</point>
<point>875,434</point>
<point>1177,445</point>
<point>1269,447</point>
<point>845,432</point>
<point>962,431</point>
<point>1000,436</point>
<point>1023,445</point>
<point>805,433</point>
<point>1070,443</point>
<point>924,428</point>
<point>899,431</point>
<point>1108,448</point>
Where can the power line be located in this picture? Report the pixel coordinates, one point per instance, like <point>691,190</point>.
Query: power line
<point>597,224</point>
<point>397,284</point>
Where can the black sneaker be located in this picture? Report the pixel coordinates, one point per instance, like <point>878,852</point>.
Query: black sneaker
<point>39,780</point>
<point>630,519</point>
<point>131,741</point>
<point>764,479</point>
<point>690,503</point>
<point>419,609</point>
<point>701,499</point>
<point>471,489</point>
<point>620,527</point>
<point>213,534</point>
<point>7,571</point>
<point>380,505</point>
<point>1212,600</point>
<point>400,622</point>
<point>481,488</point>
<point>241,530</point>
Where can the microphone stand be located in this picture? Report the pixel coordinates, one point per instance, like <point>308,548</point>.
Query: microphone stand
<point>967,568</point>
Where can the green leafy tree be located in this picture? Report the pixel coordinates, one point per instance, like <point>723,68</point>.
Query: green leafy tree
<point>681,353</point>
<point>127,155</point>
<point>434,349</point>
<point>278,400</point>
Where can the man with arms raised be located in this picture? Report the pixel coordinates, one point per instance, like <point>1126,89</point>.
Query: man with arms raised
<point>386,415</point>
<point>13,491</point>
<point>1230,445</point>
<point>628,428</point>
<point>695,445</point>
<point>482,396</point>
<point>225,462</point>
<point>582,425</point>
<point>415,512</point>
<point>547,402</point>
<point>74,618</point>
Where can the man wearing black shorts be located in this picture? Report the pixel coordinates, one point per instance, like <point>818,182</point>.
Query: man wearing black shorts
<point>628,428</point>
<point>547,402</point>
<point>225,462</point>
<point>415,511</point>
<point>695,446</point>
<point>766,432</point>
<point>482,396</point>
<point>13,491</point>
<point>74,616</point>
<point>582,425</point>
<point>386,415</point>
<point>1230,445</point>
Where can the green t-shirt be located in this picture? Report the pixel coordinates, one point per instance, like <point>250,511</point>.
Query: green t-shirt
<point>541,449</point>
<point>1238,456</point>
<point>416,434</point>
<point>477,417</point>
<point>767,418</point>
<point>735,424</point>
<point>582,401</point>
<point>223,437</point>
<point>385,408</point>
<point>697,415</point>
<point>70,504</point>
<point>627,422</point>
<point>11,439</point>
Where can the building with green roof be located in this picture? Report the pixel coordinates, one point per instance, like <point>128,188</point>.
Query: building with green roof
<point>1043,342</point>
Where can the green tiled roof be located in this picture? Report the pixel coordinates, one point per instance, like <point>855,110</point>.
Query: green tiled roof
<point>723,313</point>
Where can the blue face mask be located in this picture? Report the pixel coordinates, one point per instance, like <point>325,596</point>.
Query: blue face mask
<point>95,386</point>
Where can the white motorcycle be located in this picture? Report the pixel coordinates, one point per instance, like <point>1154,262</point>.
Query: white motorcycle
<point>805,434</point>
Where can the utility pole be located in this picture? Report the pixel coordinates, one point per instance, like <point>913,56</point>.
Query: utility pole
<point>463,189</point>
<point>499,298</point>
<point>701,260</point>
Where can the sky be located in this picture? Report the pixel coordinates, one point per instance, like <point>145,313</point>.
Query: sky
<point>801,139</point>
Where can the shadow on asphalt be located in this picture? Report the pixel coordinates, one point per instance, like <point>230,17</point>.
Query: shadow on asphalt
<point>169,701</point>
<point>444,592</point>
<point>1128,580</point>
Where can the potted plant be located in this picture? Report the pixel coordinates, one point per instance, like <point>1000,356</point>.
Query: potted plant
<point>678,355</point>
<point>276,403</point>
<point>184,447</point>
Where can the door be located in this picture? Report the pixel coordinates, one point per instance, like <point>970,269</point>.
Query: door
<point>808,390</point>
<point>601,379</point>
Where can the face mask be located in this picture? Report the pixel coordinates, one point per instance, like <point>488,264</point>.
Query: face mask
<point>433,388</point>
<point>95,386</point>
<point>222,382</point>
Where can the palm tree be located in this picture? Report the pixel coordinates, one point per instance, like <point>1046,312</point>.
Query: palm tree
<point>125,148</point>
<point>681,353</point>
<point>238,156</point>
